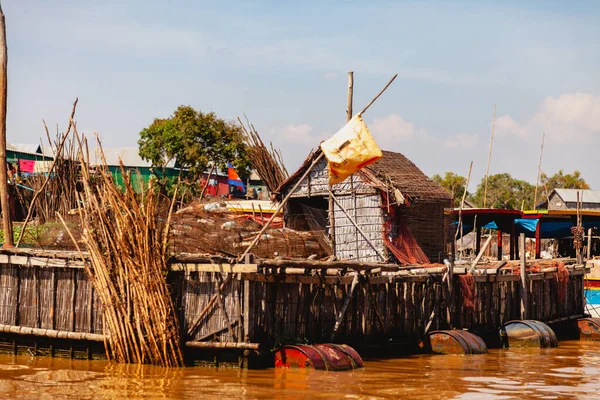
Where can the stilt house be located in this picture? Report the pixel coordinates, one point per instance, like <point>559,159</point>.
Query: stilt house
<point>388,210</point>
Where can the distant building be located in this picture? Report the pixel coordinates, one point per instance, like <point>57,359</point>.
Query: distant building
<point>566,199</point>
<point>140,170</point>
<point>27,158</point>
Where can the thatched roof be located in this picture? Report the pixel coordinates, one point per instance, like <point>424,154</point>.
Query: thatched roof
<point>405,176</point>
<point>392,170</point>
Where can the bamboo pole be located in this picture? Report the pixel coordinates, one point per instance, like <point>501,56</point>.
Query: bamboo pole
<point>4,200</point>
<point>487,172</point>
<point>459,227</point>
<point>41,189</point>
<point>483,249</point>
<point>306,173</point>
<point>539,171</point>
<point>51,333</point>
<point>340,317</point>
<point>589,244</point>
<point>523,273</point>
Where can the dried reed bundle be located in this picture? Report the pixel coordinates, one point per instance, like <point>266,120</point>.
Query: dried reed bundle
<point>267,162</point>
<point>126,236</point>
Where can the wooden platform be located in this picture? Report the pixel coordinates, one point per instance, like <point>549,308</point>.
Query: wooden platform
<point>258,305</point>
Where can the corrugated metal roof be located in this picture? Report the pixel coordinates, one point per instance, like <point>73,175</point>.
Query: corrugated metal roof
<point>586,196</point>
<point>130,157</point>
<point>27,148</point>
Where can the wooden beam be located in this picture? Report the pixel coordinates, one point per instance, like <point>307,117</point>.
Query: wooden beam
<point>523,276</point>
<point>499,241</point>
<point>223,345</point>
<point>4,201</point>
<point>51,333</point>
<point>538,239</point>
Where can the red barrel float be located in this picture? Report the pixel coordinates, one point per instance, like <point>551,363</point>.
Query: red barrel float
<point>454,342</point>
<point>330,357</point>
<point>528,333</point>
<point>589,328</point>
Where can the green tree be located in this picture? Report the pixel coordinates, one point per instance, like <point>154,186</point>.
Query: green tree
<point>505,192</point>
<point>197,140</point>
<point>560,180</point>
<point>455,184</point>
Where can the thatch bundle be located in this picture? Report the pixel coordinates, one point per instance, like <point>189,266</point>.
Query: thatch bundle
<point>126,236</point>
<point>267,162</point>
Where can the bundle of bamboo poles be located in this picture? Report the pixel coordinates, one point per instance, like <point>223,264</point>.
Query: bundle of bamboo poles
<point>267,161</point>
<point>126,236</point>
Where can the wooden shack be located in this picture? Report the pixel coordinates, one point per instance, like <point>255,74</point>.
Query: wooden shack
<point>389,210</point>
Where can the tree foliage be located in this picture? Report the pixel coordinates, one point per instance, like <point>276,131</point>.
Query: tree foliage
<point>196,140</point>
<point>453,183</point>
<point>562,181</point>
<point>506,192</point>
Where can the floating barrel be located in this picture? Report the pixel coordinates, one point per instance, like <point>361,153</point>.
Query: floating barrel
<point>330,357</point>
<point>589,328</point>
<point>528,333</point>
<point>455,342</point>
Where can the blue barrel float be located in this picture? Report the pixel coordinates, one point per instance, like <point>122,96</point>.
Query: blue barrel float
<point>454,342</point>
<point>329,357</point>
<point>528,333</point>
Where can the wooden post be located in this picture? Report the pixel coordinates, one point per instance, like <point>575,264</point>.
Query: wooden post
<point>350,95</point>
<point>589,244</point>
<point>499,245</point>
<point>537,182</point>
<point>538,239</point>
<point>477,240</point>
<point>513,241</point>
<point>4,202</point>
<point>523,277</point>
<point>450,300</point>
<point>459,227</point>
<point>487,172</point>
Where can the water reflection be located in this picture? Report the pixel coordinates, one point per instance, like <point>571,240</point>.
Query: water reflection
<point>572,370</point>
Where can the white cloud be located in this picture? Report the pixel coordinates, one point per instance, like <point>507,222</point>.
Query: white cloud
<point>330,75</point>
<point>462,141</point>
<point>300,134</point>
<point>570,116</point>
<point>391,129</point>
<point>506,126</point>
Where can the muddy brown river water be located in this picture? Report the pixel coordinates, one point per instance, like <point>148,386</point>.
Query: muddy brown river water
<point>570,371</point>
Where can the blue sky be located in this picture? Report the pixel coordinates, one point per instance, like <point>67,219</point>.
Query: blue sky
<point>284,64</point>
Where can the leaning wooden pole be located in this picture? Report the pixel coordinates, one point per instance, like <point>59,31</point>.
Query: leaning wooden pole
<point>459,227</point>
<point>539,171</point>
<point>487,172</point>
<point>6,221</point>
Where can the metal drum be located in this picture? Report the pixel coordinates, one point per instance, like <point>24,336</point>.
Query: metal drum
<point>455,342</point>
<point>528,333</point>
<point>330,357</point>
<point>589,328</point>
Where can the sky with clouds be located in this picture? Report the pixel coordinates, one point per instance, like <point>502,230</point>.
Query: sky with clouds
<point>284,64</point>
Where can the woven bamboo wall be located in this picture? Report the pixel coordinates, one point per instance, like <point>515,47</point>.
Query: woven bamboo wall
<point>59,298</point>
<point>350,244</point>
<point>427,223</point>
<point>317,183</point>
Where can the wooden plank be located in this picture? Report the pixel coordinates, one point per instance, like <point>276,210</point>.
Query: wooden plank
<point>222,268</point>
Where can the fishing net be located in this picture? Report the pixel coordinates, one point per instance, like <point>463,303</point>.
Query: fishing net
<point>467,288</point>
<point>400,240</point>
